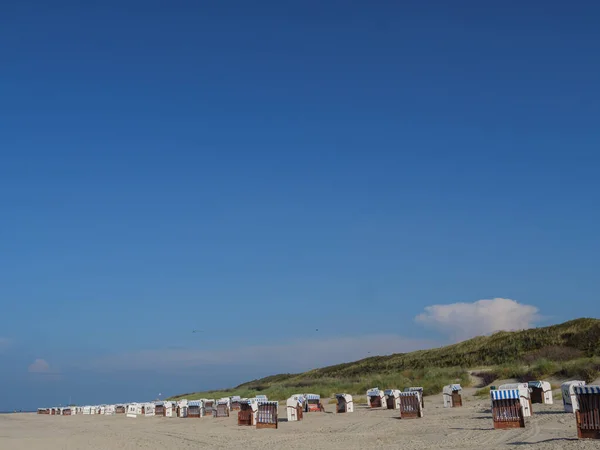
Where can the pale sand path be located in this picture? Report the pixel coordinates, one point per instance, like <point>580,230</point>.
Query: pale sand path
<point>469,427</point>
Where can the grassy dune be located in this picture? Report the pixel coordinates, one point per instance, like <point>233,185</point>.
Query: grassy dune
<point>568,350</point>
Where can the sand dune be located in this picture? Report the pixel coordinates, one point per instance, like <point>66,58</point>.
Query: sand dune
<point>469,427</point>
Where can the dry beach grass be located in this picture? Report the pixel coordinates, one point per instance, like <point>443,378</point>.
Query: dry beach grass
<point>469,427</point>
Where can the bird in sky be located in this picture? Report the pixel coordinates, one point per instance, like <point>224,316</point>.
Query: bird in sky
<point>198,331</point>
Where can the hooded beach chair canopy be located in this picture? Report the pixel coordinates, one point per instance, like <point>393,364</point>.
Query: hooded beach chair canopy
<point>451,395</point>
<point>392,398</point>
<point>375,397</point>
<point>524,395</point>
<point>541,392</point>
<point>505,394</point>
<point>507,408</point>
<point>294,406</point>
<point>344,403</point>
<point>568,394</point>
<point>411,404</point>
<point>589,389</point>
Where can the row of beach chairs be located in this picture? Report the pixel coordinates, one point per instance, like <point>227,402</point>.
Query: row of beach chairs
<point>511,405</point>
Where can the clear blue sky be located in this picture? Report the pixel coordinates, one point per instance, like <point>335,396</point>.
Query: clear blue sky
<point>258,170</point>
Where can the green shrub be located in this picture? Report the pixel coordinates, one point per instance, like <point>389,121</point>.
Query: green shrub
<point>587,369</point>
<point>482,393</point>
<point>542,368</point>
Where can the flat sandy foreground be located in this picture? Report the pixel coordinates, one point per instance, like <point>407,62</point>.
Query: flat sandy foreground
<point>469,427</point>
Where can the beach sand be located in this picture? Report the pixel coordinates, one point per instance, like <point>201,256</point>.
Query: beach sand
<point>469,427</point>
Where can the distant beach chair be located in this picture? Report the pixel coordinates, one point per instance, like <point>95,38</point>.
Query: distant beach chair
<point>195,409</point>
<point>524,396</point>
<point>418,389</point>
<point>209,404</point>
<point>133,409</point>
<point>294,408</point>
<point>246,413</point>
<point>168,409</point>
<point>452,396</point>
<point>411,405</point>
<point>541,392</point>
<point>225,401</point>
<point>375,398</point>
<point>222,408</point>
<point>312,402</point>
<point>568,394</point>
<point>159,409</point>
<point>266,414</point>
<point>148,410</point>
<point>120,409</point>
<point>345,404</point>
<point>182,409</point>
<point>507,409</point>
<point>235,403</point>
<point>392,398</point>
<point>588,412</point>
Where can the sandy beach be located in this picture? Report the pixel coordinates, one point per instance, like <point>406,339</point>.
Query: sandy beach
<point>469,427</point>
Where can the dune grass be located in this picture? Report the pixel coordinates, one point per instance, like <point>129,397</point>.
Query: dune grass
<point>568,350</point>
<point>432,381</point>
<point>587,369</point>
<point>483,392</point>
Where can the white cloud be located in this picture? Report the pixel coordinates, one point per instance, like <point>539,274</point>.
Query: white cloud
<point>465,320</point>
<point>40,366</point>
<point>292,356</point>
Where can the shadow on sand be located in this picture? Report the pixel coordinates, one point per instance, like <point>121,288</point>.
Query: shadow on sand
<point>549,413</point>
<point>544,441</point>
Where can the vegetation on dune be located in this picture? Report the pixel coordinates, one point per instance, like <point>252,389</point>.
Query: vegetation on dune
<point>432,381</point>
<point>587,369</point>
<point>581,337</point>
<point>568,350</point>
<point>483,392</point>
